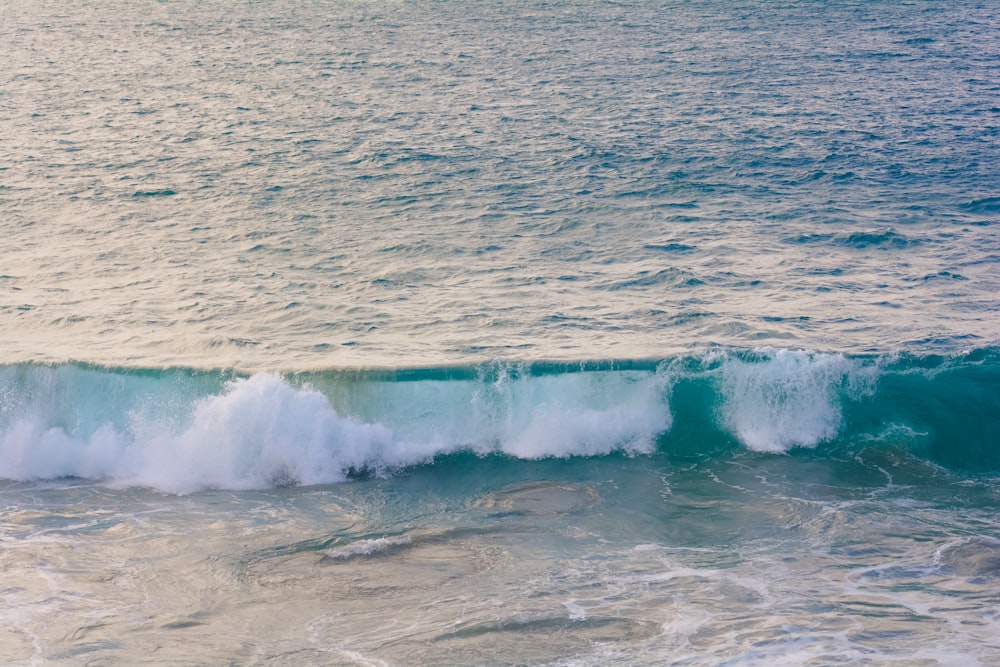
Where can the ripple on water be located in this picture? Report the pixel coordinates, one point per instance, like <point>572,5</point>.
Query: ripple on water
<point>541,498</point>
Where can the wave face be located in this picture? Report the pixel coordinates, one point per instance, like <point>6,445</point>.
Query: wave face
<point>181,430</point>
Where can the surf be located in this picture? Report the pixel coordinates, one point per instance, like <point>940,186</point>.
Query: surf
<point>183,430</point>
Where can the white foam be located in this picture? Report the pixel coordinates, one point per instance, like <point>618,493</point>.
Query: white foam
<point>788,398</point>
<point>262,431</point>
<point>259,433</point>
<point>567,415</point>
<point>182,432</point>
<point>577,612</point>
<point>368,547</point>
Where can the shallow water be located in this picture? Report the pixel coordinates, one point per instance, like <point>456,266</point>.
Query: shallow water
<point>620,561</point>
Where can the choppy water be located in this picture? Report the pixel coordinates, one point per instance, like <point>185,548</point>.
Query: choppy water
<point>460,333</point>
<point>287,185</point>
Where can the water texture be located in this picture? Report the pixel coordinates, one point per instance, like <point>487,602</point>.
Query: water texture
<point>279,186</point>
<point>499,333</point>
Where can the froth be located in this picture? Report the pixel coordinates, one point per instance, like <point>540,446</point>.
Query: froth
<point>788,398</point>
<point>263,431</point>
<point>368,547</point>
<point>181,432</point>
<point>579,413</point>
<point>259,432</point>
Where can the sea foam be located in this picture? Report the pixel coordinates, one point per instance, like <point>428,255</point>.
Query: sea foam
<point>263,431</point>
<point>789,398</point>
<point>181,430</point>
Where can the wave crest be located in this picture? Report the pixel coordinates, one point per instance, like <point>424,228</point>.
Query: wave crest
<point>789,398</point>
<point>263,431</point>
<point>181,431</point>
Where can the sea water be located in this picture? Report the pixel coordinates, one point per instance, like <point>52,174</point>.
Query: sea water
<point>499,333</point>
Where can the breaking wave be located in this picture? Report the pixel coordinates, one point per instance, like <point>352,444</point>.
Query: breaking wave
<point>184,430</point>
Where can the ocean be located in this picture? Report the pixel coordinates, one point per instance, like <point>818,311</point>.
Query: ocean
<point>499,332</point>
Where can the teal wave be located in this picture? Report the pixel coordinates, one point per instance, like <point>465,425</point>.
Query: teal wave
<point>183,429</point>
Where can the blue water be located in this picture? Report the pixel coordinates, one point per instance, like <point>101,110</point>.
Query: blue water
<point>279,187</point>
<point>500,333</point>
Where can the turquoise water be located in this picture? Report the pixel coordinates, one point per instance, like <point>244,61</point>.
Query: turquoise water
<point>427,333</point>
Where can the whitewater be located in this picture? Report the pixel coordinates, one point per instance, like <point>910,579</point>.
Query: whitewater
<point>499,333</point>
